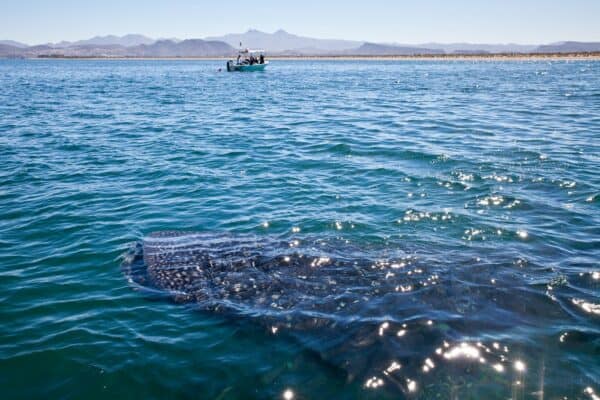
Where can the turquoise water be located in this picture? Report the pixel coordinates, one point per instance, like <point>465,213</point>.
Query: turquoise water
<point>477,184</point>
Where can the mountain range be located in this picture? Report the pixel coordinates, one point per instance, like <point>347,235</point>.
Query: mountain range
<point>276,43</point>
<point>375,49</point>
<point>13,43</point>
<point>282,42</point>
<point>570,47</point>
<point>125,41</point>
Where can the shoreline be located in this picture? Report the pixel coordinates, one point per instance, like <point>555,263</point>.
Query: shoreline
<point>417,57</point>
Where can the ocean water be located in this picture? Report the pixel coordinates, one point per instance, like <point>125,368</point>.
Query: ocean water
<point>463,196</point>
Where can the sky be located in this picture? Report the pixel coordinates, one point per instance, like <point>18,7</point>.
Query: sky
<point>389,21</point>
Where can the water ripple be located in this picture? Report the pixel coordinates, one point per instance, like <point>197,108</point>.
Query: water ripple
<point>482,174</point>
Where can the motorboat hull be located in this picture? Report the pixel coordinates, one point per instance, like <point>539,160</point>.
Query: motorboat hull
<point>232,67</point>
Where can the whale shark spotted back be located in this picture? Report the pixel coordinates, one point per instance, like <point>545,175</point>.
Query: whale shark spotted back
<point>372,312</point>
<point>262,275</point>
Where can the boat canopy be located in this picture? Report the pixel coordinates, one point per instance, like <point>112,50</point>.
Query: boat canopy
<point>249,51</point>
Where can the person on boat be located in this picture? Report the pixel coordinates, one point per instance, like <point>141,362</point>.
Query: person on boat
<point>238,59</point>
<point>262,59</point>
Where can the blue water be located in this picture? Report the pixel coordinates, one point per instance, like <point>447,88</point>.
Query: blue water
<point>477,183</point>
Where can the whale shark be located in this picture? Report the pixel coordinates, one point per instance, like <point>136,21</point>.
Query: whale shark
<point>388,318</point>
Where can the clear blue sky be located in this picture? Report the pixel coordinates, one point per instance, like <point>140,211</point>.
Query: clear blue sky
<point>416,21</point>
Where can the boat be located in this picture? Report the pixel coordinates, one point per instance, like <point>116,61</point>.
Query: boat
<point>248,60</point>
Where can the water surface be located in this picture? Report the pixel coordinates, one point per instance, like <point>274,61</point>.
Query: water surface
<point>475,184</point>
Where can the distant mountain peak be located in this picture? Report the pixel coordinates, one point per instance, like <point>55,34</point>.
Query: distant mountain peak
<point>131,39</point>
<point>285,42</point>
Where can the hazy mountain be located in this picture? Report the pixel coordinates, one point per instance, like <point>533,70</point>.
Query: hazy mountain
<point>31,51</point>
<point>172,39</point>
<point>282,41</point>
<point>374,49</point>
<point>126,41</point>
<point>277,43</point>
<point>14,43</point>
<point>161,48</point>
<point>485,48</point>
<point>469,52</point>
<point>184,48</point>
<point>569,47</point>
<point>305,51</point>
<point>88,50</point>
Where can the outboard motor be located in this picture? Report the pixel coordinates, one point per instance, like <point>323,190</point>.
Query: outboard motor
<point>229,67</point>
